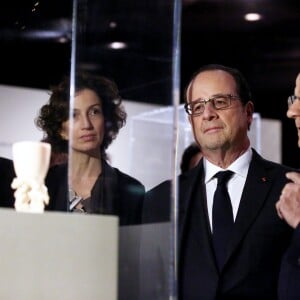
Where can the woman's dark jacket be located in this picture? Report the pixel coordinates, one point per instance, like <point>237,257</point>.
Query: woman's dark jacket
<point>114,193</point>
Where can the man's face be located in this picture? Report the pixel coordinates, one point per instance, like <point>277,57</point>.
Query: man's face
<point>224,129</point>
<point>294,110</point>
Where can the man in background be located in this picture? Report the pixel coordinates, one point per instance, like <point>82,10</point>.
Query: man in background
<point>190,157</point>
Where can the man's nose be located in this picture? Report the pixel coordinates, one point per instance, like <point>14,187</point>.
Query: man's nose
<point>209,110</point>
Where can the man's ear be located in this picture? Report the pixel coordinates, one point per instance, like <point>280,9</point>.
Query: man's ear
<point>249,111</point>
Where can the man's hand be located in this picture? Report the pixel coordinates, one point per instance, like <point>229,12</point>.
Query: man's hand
<point>288,206</point>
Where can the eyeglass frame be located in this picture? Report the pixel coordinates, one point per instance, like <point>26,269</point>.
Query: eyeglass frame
<point>211,99</point>
<point>291,99</point>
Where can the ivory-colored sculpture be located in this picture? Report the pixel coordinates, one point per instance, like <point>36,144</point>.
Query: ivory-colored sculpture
<point>31,163</point>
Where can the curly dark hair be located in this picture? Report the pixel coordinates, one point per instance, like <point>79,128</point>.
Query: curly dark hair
<point>56,111</point>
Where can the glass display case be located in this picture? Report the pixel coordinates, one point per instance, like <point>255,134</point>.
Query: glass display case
<point>136,44</point>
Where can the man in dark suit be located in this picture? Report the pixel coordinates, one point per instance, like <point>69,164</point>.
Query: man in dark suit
<point>246,265</point>
<point>288,208</point>
<point>7,174</point>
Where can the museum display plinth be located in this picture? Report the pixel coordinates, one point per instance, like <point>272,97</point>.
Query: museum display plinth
<point>58,256</point>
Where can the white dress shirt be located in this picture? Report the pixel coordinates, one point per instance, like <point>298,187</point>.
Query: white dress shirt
<point>235,184</point>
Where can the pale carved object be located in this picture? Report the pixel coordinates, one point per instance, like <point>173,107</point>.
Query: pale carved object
<point>31,163</point>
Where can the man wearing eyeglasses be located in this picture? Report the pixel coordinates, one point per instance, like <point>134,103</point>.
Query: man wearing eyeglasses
<point>230,238</point>
<point>288,208</point>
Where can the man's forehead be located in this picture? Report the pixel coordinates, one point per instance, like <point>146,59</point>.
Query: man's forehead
<point>220,76</point>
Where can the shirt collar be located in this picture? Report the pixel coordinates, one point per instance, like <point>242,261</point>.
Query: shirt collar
<point>240,166</point>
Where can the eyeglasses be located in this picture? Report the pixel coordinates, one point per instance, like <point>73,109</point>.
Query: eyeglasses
<point>197,107</point>
<point>292,99</point>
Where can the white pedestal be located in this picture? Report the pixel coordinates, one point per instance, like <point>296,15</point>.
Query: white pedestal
<point>58,256</point>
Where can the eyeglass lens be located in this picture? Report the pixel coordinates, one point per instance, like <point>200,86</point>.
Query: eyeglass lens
<point>292,99</point>
<point>218,102</point>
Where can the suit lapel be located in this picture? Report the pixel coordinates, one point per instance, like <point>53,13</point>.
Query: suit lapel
<point>191,190</point>
<point>256,188</point>
<point>187,185</point>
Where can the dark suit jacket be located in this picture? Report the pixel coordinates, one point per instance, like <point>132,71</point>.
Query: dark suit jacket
<point>7,174</point>
<point>289,279</point>
<point>118,194</point>
<point>255,248</point>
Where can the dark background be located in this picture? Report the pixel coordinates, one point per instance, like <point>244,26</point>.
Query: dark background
<point>35,43</point>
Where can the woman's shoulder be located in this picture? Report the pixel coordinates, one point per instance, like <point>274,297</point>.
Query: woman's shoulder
<point>127,177</point>
<point>57,172</point>
<point>129,182</point>
<point>123,177</point>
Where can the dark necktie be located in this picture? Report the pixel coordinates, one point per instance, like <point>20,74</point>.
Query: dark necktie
<point>222,217</point>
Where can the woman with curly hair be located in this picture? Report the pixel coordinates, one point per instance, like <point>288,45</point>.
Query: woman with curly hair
<point>93,185</point>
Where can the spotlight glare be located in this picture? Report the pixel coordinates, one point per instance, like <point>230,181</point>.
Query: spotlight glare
<point>253,17</point>
<point>117,45</point>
